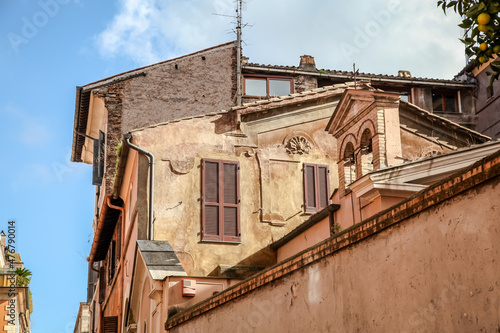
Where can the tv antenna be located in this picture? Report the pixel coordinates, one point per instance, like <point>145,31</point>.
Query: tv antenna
<point>239,8</point>
<point>354,75</point>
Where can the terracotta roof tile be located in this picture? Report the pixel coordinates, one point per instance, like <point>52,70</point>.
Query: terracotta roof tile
<point>360,75</point>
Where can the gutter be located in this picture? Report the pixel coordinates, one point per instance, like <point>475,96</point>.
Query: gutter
<point>151,157</point>
<point>378,79</point>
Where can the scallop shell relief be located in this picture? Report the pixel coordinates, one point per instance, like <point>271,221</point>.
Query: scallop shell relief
<point>298,145</point>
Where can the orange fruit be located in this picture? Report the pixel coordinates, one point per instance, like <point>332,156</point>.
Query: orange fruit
<point>483,46</point>
<point>483,59</point>
<point>496,49</point>
<point>483,18</point>
<point>483,28</point>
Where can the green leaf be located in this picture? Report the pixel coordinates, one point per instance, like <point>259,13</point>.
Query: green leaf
<point>494,8</point>
<point>473,11</point>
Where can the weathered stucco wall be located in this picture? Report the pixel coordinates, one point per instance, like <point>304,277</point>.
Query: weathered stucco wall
<point>436,271</point>
<point>179,148</point>
<point>414,147</point>
<point>313,235</point>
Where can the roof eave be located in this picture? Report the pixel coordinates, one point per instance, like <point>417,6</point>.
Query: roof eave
<point>75,124</point>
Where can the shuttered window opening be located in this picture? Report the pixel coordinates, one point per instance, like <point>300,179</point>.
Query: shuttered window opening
<point>110,324</point>
<point>118,242</point>
<point>220,201</point>
<point>102,284</point>
<point>111,261</point>
<point>316,187</point>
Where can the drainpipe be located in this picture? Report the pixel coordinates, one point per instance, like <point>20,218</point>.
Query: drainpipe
<point>128,137</point>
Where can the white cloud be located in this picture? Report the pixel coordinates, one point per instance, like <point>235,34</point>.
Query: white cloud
<point>154,30</point>
<point>416,35</point>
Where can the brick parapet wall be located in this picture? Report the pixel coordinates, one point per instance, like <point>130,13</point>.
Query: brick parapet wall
<point>480,172</point>
<point>113,99</point>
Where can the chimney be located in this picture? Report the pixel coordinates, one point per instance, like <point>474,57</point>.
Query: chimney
<point>3,239</point>
<point>404,73</point>
<point>307,63</point>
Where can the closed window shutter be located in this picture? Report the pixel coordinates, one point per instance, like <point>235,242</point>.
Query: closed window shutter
<point>110,324</point>
<point>210,198</point>
<point>316,187</point>
<point>220,200</point>
<point>309,187</point>
<point>231,201</point>
<point>118,242</point>
<point>102,285</point>
<point>323,185</point>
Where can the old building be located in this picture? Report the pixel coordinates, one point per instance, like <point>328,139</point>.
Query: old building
<point>487,93</point>
<point>451,99</point>
<point>191,188</point>
<point>15,296</point>
<point>426,264</point>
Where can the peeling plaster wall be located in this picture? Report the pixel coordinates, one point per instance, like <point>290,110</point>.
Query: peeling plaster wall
<point>179,148</point>
<point>434,272</point>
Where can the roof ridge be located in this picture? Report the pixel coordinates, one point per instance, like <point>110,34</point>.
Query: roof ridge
<point>158,63</point>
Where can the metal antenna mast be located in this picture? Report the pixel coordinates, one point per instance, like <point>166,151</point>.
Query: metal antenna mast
<point>239,90</point>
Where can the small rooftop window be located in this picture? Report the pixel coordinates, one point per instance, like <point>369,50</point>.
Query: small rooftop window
<point>444,101</point>
<point>261,86</point>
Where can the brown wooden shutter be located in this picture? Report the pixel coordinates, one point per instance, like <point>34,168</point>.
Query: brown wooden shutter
<point>220,200</point>
<point>316,187</point>
<point>231,201</point>
<point>110,324</point>
<point>118,241</point>
<point>323,185</point>
<point>309,188</point>
<point>210,200</point>
<point>102,284</point>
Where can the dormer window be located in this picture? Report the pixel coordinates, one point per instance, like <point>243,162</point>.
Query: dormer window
<point>263,86</point>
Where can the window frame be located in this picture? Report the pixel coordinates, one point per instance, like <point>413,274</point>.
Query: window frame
<point>267,79</point>
<point>443,95</point>
<point>317,195</point>
<point>221,237</point>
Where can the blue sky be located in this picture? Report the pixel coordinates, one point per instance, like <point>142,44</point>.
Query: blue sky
<point>49,47</point>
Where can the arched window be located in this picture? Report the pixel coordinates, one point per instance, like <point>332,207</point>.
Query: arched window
<point>349,164</point>
<point>366,152</point>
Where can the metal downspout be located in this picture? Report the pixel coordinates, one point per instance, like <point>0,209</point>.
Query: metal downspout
<point>128,137</point>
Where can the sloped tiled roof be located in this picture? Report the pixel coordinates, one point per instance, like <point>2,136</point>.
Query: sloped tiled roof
<point>348,74</point>
<point>160,259</point>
